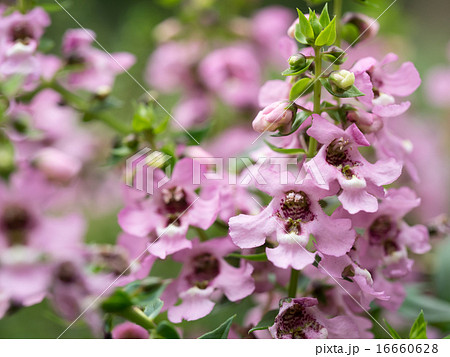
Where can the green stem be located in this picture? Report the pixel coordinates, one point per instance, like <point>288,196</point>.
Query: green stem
<point>133,314</point>
<point>317,95</point>
<point>337,8</point>
<point>113,123</point>
<point>24,5</point>
<point>292,291</point>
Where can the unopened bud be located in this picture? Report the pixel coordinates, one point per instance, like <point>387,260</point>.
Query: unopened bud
<point>335,55</point>
<point>297,61</point>
<point>343,79</point>
<point>358,27</point>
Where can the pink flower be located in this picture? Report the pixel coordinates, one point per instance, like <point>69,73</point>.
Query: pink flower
<point>380,85</point>
<point>352,277</point>
<point>56,165</point>
<point>273,117</point>
<point>98,69</point>
<point>300,318</point>
<point>388,237</point>
<point>167,215</point>
<point>193,110</point>
<point>269,27</point>
<point>233,73</point>
<point>293,214</point>
<point>32,241</point>
<point>73,289</point>
<point>339,160</point>
<point>204,274</point>
<point>438,86</point>
<point>19,39</point>
<point>273,91</point>
<point>129,330</point>
<point>170,67</point>
<point>367,26</point>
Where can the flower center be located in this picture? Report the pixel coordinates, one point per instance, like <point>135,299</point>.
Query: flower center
<point>205,267</point>
<point>16,221</point>
<point>296,322</point>
<point>112,259</point>
<point>382,229</point>
<point>67,273</point>
<point>337,153</point>
<point>21,33</point>
<point>294,209</point>
<point>175,203</point>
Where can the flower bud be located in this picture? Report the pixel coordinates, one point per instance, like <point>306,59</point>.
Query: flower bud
<point>57,165</point>
<point>335,55</point>
<point>342,79</point>
<point>297,61</point>
<point>273,117</point>
<point>358,27</point>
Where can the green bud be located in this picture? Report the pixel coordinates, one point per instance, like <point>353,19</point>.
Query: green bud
<point>342,79</point>
<point>335,55</point>
<point>297,61</point>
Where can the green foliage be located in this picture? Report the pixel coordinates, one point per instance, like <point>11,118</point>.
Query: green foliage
<point>117,301</point>
<point>300,117</point>
<point>262,257</point>
<point>442,270</point>
<point>328,35</point>
<point>284,151</point>
<point>6,156</point>
<point>301,87</point>
<point>353,91</point>
<point>221,332</point>
<point>166,330</point>
<point>153,308</point>
<point>267,320</point>
<point>316,31</point>
<point>419,328</point>
<point>392,331</point>
<point>297,71</point>
<point>304,32</point>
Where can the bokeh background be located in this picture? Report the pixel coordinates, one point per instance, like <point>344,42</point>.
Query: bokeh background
<point>416,29</point>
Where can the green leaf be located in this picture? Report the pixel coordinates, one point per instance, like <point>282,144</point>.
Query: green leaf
<point>294,71</point>
<point>303,31</point>
<point>284,151</point>
<point>442,269</point>
<point>349,93</point>
<point>300,88</point>
<point>153,308</point>
<point>166,330</point>
<point>328,36</point>
<point>436,310</point>
<point>117,301</point>
<point>262,257</point>
<point>446,337</point>
<point>143,118</point>
<point>221,332</point>
<point>392,331</point>
<point>299,119</point>
<point>6,156</point>
<point>419,328</point>
<point>324,18</point>
<point>267,320</point>
<point>12,85</point>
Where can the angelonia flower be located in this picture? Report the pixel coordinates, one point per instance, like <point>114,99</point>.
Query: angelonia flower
<point>128,330</point>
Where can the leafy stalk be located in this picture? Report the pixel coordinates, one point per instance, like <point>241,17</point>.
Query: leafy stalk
<point>292,291</point>
<point>317,95</point>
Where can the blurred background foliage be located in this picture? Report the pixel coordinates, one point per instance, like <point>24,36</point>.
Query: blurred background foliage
<point>417,29</point>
